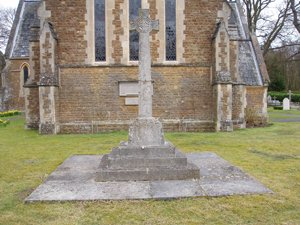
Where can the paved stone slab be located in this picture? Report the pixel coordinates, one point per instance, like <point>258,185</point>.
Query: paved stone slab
<point>176,189</point>
<point>75,180</point>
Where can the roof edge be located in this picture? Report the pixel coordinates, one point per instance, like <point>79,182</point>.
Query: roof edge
<point>13,31</point>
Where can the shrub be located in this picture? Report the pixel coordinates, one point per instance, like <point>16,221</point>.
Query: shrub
<point>10,113</point>
<point>4,123</point>
<point>282,95</point>
<point>253,119</point>
<point>278,107</point>
<point>277,84</point>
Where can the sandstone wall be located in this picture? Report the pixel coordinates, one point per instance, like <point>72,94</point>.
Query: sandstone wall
<point>91,95</point>
<point>256,110</point>
<point>70,21</point>
<point>88,96</point>
<point>14,85</point>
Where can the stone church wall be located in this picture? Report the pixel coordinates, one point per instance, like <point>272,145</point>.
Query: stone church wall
<point>70,20</point>
<point>14,88</point>
<point>256,110</point>
<point>32,108</point>
<point>90,97</point>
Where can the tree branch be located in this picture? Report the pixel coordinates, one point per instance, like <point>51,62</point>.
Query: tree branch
<point>295,14</point>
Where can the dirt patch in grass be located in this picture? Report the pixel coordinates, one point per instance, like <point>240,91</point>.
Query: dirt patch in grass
<point>274,156</point>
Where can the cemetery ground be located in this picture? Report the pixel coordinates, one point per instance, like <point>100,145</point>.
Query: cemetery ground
<point>270,154</point>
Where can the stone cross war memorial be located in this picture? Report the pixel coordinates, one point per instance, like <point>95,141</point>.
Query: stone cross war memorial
<point>146,156</point>
<point>146,166</point>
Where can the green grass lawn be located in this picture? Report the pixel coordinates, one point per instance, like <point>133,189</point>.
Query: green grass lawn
<point>280,114</point>
<point>271,154</point>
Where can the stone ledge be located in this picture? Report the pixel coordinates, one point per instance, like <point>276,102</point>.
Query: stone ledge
<point>106,126</point>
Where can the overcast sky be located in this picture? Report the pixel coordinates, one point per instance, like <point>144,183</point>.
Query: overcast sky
<point>9,3</point>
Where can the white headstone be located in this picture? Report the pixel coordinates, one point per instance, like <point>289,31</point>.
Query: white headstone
<point>286,104</point>
<point>269,99</point>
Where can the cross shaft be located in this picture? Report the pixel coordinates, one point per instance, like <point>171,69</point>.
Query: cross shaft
<point>144,25</point>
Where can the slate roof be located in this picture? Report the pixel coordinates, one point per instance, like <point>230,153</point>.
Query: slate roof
<point>18,44</point>
<point>250,63</point>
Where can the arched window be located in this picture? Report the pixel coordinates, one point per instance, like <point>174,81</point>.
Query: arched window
<point>25,73</point>
<point>24,76</point>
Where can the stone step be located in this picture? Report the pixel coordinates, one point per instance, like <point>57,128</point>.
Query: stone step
<point>189,172</point>
<point>146,159</point>
<point>130,163</point>
<point>148,152</point>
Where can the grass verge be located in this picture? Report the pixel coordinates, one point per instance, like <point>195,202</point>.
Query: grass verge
<point>270,154</point>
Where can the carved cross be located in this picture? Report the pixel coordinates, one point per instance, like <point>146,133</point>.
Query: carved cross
<point>144,25</point>
<point>290,95</point>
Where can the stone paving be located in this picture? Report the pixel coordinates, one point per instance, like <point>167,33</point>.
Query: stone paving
<point>74,180</point>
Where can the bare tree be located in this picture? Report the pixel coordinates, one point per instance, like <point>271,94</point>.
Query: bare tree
<point>296,14</point>
<point>7,16</point>
<point>266,27</point>
<point>254,10</point>
<point>275,28</point>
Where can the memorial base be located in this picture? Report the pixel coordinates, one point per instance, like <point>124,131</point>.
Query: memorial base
<point>129,163</point>
<point>146,157</point>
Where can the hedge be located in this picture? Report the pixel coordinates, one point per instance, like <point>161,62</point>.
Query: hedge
<point>10,113</point>
<point>282,95</point>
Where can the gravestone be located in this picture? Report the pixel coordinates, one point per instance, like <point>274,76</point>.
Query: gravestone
<point>290,95</point>
<point>286,104</point>
<point>146,156</point>
<point>269,99</point>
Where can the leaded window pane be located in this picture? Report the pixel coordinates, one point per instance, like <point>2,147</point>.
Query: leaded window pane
<point>25,73</point>
<point>100,42</point>
<point>171,30</point>
<point>134,6</point>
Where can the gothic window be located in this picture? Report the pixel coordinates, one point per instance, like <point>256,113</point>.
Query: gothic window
<point>134,6</point>
<point>24,76</point>
<point>170,30</point>
<point>25,73</point>
<point>100,40</point>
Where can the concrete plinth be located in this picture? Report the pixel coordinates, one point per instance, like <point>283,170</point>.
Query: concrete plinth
<point>75,180</point>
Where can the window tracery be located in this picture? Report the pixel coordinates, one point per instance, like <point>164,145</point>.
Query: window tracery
<point>170,15</point>
<point>100,31</point>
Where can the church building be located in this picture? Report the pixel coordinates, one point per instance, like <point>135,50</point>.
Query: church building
<point>72,66</point>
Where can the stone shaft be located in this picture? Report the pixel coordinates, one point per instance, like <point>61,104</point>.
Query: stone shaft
<point>145,81</point>
<point>144,25</point>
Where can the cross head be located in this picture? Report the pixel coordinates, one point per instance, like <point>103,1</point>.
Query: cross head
<point>143,24</point>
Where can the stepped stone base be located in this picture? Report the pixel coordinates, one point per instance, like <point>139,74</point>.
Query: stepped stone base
<point>74,180</point>
<point>132,163</point>
<point>146,157</point>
